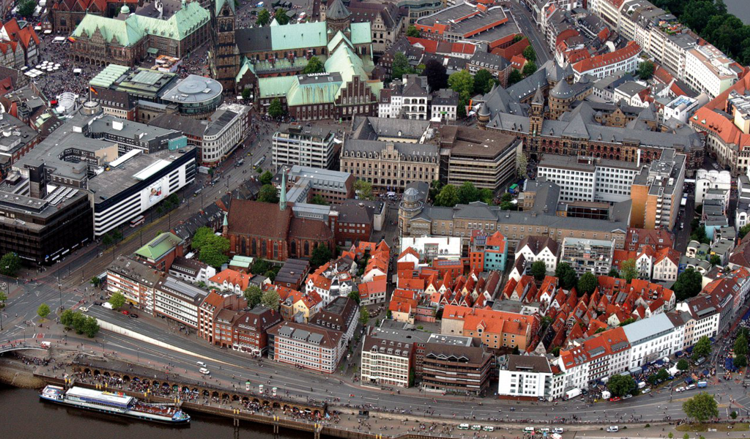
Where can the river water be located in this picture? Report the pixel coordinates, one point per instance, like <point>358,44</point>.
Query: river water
<point>23,416</point>
<point>740,9</point>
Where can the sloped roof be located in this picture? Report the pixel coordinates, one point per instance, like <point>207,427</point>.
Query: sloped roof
<point>337,11</point>
<point>125,32</point>
<point>159,246</point>
<point>297,36</point>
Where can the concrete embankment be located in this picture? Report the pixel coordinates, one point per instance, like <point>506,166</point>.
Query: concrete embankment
<point>15,373</point>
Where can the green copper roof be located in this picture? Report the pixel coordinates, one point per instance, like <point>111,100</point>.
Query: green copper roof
<point>246,65</point>
<point>241,261</point>
<point>299,36</point>
<point>159,246</point>
<point>361,33</point>
<point>129,31</point>
<point>125,32</point>
<point>336,40</point>
<point>274,87</point>
<point>108,76</point>
<point>346,62</point>
<point>308,92</point>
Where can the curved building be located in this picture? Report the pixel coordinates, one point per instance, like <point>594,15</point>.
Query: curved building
<point>196,96</point>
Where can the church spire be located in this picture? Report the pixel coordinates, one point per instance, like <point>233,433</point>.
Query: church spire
<point>282,197</point>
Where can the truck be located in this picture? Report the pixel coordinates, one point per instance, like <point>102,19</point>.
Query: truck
<point>203,170</point>
<point>572,393</point>
<point>107,305</point>
<point>702,384</point>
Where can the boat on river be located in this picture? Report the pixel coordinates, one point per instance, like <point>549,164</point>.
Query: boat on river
<point>115,403</point>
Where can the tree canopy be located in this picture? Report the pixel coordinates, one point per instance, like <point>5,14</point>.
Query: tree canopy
<point>621,385</point>
<point>364,316</point>
<point>253,294</point>
<point>567,275</point>
<point>515,76</point>
<point>271,299</point>
<point>688,284</point>
<point>117,300</point>
<point>483,82</point>
<point>467,193</point>
<point>26,8</point>
<point>435,71</point>
<point>529,68</point>
<point>400,66</point>
<point>320,255</point>
<point>539,270</point>
<point>314,65</point>
<point>354,295</point>
<point>412,31</point>
<point>264,17</point>
<point>212,248</point>
<point>363,189</point>
<point>529,53</point>
<point>462,83</point>
<point>43,310</point>
<point>646,70</point>
<point>744,230</point>
<point>79,322</point>
<point>268,194</point>
<point>740,351</point>
<point>587,283</point>
<point>701,407</point>
<point>10,263</point>
<point>280,16</point>
<point>266,177</point>
<point>683,365</point>
<point>702,348</point>
<point>276,109</point>
<point>448,196</point>
<point>628,270</point>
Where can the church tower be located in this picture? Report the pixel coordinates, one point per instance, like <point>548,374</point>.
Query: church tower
<point>338,18</point>
<point>282,197</point>
<point>224,57</point>
<point>536,118</point>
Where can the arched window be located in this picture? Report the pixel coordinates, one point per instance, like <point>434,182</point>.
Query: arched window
<point>307,248</point>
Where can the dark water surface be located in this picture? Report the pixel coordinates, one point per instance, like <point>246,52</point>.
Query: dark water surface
<point>740,8</point>
<point>23,416</point>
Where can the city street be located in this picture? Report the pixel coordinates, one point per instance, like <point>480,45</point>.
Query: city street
<point>522,17</point>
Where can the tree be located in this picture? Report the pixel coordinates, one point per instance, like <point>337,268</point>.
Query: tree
<point>702,348</point>
<point>587,283</point>
<point>628,270</point>
<point>744,230</point>
<point>412,31</point>
<point>483,82</point>
<point>699,234</point>
<point>107,240</point>
<point>201,237</point>
<point>740,351</point>
<point>662,374</point>
<point>715,260</point>
<point>688,284</point>
<point>95,281</point>
<point>318,199</point>
<point>270,299</point>
<point>646,70</point>
<point>10,263</point>
<point>363,189</point>
<point>462,83</point>
<point>567,275</point>
<point>613,273</point>
<point>79,321</point>
<point>621,385</point>
<point>522,165</point>
<point>539,270</point>
<point>529,69</point>
<point>266,177</point>
<point>253,294</point>
<point>400,66</point>
<point>435,187</point>
<point>43,311</point>
<point>701,407</point>
<point>66,318</point>
<point>626,322</point>
<point>740,361</point>
<point>214,256</point>
<point>90,327</point>
<point>246,94</point>
<point>3,297</point>
<point>435,71</point>
<point>683,365</point>
<point>117,300</point>
<point>320,255</point>
<point>281,17</point>
<point>268,194</point>
<point>212,248</point>
<point>264,17</point>
<point>26,8</point>
<point>116,235</point>
<point>275,109</point>
<point>314,65</point>
<point>467,193</point>
<point>529,54</point>
<point>364,316</point>
<point>448,196</point>
<point>260,266</point>
<point>486,195</point>
<point>515,76</point>
<point>354,295</point>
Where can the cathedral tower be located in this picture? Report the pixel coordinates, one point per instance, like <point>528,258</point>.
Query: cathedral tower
<point>224,58</point>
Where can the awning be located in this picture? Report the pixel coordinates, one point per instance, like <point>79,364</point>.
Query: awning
<point>152,50</point>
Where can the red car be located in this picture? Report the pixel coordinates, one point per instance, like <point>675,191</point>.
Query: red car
<point>615,399</point>
<point>126,312</point>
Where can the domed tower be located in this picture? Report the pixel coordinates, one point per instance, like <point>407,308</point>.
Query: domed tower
<point>338,18</point>
<point>483,117</point>
<point>560,98</point>
<point>411,205</point>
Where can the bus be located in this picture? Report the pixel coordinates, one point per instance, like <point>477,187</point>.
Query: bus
<point>260,161</point>
<point>135,222</point>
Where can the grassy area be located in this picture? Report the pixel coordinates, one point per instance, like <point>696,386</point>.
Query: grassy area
<point>738,426</point>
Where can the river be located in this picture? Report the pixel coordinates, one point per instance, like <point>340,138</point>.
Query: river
<point>25,417</point>
<point>740,9</point>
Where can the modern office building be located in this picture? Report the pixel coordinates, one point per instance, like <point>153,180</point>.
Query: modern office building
<point>306,146</point>
<point>657,191</point>
<point>307,346</point>
<point>389,356</point>
<point>589,179</point>
<point>525,376</point>
<point>455,364</point>
<point>588,255</point>
<point>178,300</point>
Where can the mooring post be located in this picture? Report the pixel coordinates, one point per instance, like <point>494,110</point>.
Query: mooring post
<point>275,425</point>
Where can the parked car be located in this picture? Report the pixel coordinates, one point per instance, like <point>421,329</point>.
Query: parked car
<point>133,315</point>
<point>614,399</point>
<point>558,430</point>
<point>613,429</point>
<point>125,312</point>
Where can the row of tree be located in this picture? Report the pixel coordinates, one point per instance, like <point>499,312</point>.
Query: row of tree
<point>449,195</point>
<point>264,17</point>
<point>80,323</point>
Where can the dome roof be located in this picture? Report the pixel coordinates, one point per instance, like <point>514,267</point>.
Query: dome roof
<point>411,195</point>
<point>562,90</point>
<point>125,9</point>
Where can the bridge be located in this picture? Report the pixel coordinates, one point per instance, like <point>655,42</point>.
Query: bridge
<point>10,347</point>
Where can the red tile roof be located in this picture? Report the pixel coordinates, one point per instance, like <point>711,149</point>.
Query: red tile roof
<point>632,49</point>
<point>709,120</point>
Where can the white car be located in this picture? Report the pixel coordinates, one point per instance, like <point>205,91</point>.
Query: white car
<point>489,428</point>
<point>558,430</point>
<point>613,429</point>
<point>205,371</point>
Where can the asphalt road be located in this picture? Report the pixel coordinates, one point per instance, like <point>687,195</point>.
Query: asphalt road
<point>523,20</point>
